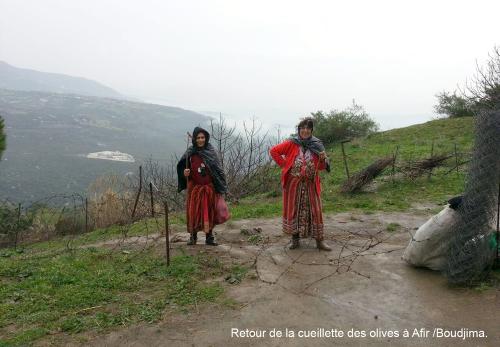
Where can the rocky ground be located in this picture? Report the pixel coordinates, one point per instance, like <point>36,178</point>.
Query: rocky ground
<point>360,288</point>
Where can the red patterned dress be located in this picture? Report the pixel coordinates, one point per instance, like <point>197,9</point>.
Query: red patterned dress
<point>302,209</point>
<point>200,200</point>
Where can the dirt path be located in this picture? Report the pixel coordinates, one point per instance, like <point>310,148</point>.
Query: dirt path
<point>362,285</point>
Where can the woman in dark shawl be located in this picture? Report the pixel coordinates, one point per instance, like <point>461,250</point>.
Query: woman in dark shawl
<point>204,179</point>
<point>301,157</point>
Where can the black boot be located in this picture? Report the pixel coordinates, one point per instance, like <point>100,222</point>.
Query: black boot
<point>192,239</point>
<point>295,241</point>
<point>210,240</point>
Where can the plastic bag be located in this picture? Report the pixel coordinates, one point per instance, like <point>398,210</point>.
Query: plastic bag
<point>222,213</point>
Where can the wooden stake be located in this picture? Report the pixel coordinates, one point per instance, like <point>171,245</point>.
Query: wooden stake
<point>432,154</point>
<point>138,193</point>
<point>167,234</point>
<point>18,223</point>
<point>498,223</point>
<point>152,201</point>
<point>345,158</point>
<point>86,215</point>
<point>394,162</point>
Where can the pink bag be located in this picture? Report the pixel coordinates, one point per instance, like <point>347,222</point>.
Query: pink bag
<point>221,210</point>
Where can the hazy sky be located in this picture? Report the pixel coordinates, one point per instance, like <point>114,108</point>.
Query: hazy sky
<point>276,60</point>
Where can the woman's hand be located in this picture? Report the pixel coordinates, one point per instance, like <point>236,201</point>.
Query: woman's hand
<point>187,172</point>
<point>322,155</point>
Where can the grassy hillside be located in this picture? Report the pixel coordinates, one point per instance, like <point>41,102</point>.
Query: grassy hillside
<point>415,142</point>
<point>60,286</point>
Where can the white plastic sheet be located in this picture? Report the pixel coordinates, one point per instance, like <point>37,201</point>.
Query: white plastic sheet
<point>427,248</point>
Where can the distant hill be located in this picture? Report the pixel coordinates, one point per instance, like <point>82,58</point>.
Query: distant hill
<point>49,136</point>
<point>15,78</point>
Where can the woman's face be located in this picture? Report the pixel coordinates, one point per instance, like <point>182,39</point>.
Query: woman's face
<point>200,140</point>
<point>305,132</point>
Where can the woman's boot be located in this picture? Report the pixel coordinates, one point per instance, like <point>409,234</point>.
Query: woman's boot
<point>210,240</point>
<point>192,239</point>
<point>323,246</point>
<point>295,241</point>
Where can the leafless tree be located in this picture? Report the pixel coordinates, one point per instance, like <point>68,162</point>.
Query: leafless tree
<point>483,89</point>
<point>244,156</point>
<point>164,180</point>
<point>223,136</point>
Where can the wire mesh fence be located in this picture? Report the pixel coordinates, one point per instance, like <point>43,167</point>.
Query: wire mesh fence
<point>111,206</point>
<point>134,211</point>
<point>472,249</point>
<point>113,200</point>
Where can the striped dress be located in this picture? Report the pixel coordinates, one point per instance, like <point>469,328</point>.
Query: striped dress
<point>302,210</point>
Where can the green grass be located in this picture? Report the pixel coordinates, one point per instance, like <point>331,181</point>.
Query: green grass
<point>237,274</point>
<point>415,142</point>
<point>391,227</point>
<point>96,289</point>
<point>55,286</point>
<point>258,206</point>
<point>145,226</point>
<point>255,239</point>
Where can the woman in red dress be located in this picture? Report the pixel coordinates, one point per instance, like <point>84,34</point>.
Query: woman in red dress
<point>301,157</point>
<point>205,182</point>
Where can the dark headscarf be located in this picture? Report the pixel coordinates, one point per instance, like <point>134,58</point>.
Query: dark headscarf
<point>456,202</point>
<point>312,143</point>
<point>210,158</point>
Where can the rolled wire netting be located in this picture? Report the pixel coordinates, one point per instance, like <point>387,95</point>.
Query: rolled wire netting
<point>471,248</point>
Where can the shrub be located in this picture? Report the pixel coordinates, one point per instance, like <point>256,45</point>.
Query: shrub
<point>336,125</point>
<point>70,224</point>
<point>12,222</point>
<point>111,202</point>
<point>453,105</point>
